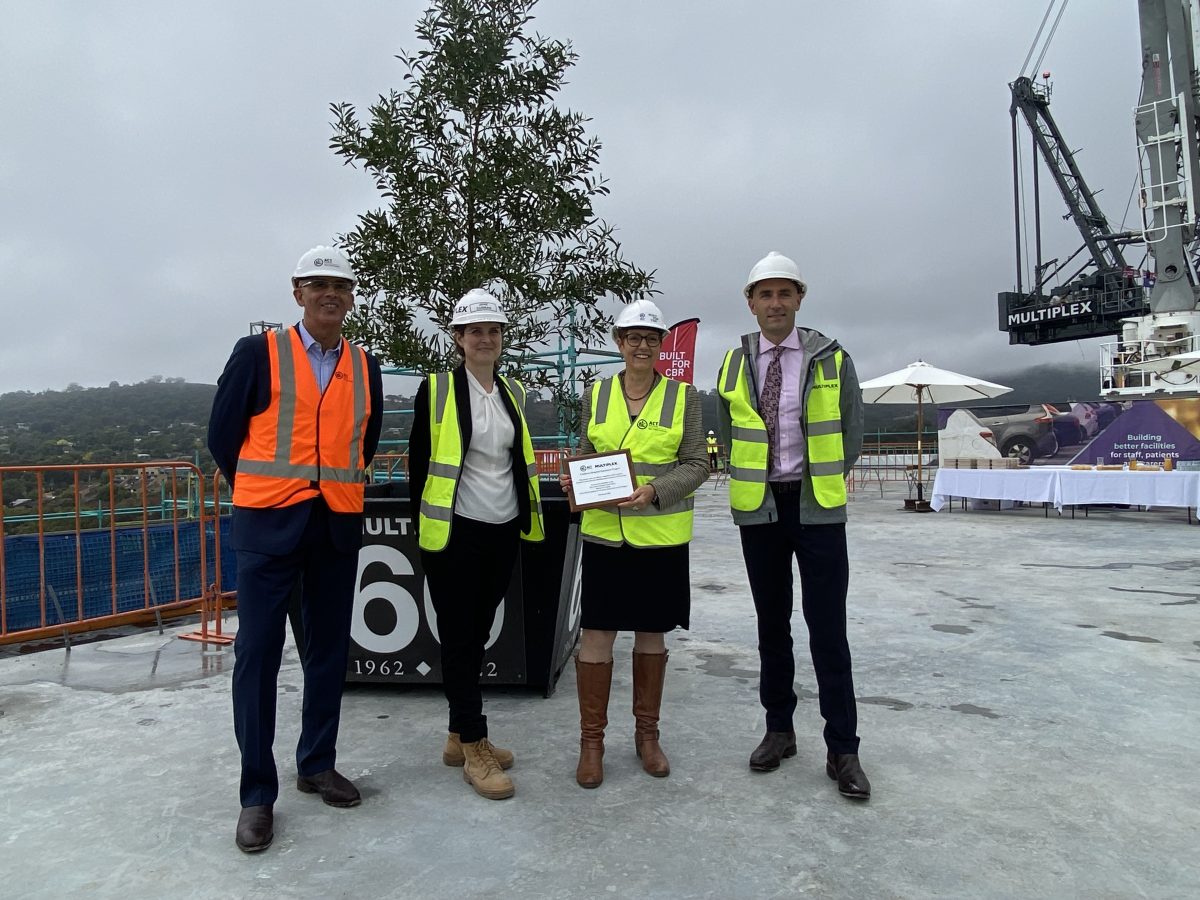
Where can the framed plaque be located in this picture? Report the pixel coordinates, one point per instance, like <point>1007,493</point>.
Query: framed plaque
<point>600,479</point>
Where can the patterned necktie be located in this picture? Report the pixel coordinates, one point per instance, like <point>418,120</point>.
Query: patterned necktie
<point>768,402</point>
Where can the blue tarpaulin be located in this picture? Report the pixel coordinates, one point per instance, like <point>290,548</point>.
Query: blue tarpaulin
<point>92,554</point>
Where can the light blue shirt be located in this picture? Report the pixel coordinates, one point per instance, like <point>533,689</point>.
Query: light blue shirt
<point>323,362</point>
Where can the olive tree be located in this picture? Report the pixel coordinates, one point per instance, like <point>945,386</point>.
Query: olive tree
<point>486,183</point>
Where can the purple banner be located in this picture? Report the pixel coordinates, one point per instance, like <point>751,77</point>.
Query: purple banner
<point>1148,431</point>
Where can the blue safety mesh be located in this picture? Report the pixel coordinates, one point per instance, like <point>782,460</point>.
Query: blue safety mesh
<point>172,576</point>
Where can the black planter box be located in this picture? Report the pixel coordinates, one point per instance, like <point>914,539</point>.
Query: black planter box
<point>393,632</point>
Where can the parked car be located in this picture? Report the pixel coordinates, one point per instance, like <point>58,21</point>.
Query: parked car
<point>1024,431</point>
<point>1067,428</point>
<point>1085,414</point>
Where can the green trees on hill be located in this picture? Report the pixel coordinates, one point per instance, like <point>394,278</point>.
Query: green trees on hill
<point>164,419</point>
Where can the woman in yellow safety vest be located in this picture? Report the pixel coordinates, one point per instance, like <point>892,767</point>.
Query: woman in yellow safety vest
<point>635,553</point>
<point>474,488</point>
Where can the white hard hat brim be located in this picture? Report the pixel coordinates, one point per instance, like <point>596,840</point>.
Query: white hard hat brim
<point>321,273</point>
<point>617,329</point>
<point>749,289</point>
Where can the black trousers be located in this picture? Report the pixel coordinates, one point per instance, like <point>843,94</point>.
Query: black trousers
<point>467,581</point>
<point>265,583</point>
<point>820,551</point>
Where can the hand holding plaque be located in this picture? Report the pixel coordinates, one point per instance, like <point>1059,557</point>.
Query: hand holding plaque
<point>599,479</point>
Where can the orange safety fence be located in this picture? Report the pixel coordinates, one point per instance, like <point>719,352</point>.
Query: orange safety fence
<point>549,461</point>
<point>389,467</point>
<point>394,466</point>
<point>85,547</point>
<point>213,601</point>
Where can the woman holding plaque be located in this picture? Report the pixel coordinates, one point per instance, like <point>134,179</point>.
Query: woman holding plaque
<point>474,492</point>
<point>635,551</point>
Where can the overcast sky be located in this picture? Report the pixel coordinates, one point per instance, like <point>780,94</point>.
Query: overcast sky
<point>163,165</point>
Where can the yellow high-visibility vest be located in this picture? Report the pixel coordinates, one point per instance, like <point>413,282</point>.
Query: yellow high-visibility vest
<point>445,462</point>
<point>824,462</point>
<point>653,440</point>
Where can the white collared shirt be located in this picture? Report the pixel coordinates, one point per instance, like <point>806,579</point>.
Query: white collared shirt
<point>485,488</point>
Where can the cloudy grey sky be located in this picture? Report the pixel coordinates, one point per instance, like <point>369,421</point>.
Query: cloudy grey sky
<point>163,165</point>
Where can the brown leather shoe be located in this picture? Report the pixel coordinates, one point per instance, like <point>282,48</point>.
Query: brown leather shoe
<point>773,749</point>
<point>593,681</point>
<point>255,828</point>
<point>335,789</point>
<point>649,672</point>
<point>452,754</point>
<point>845,769</point>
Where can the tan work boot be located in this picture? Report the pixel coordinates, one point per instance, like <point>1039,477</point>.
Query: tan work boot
<point>649,672</point>
<point>452,755</point>
<point>593,681</point>
<point>482,772</point>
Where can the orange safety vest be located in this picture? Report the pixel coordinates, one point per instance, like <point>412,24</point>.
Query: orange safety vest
<point>306,443</point>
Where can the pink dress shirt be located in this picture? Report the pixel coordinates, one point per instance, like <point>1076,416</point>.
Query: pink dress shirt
<point>790,457</point>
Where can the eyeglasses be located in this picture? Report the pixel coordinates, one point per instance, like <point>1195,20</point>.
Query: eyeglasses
<point>321,284</point>
<point>636,340</point>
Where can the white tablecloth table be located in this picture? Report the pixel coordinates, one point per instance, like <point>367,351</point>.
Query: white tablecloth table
<point>1068,487</point>
<point>1137,488</point>
<point>1037,485</point>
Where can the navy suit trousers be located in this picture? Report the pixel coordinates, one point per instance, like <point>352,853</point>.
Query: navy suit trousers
<point>820,551</point>
<point>265,583</point>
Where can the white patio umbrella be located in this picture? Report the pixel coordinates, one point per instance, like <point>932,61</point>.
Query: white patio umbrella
<point>919,382</point>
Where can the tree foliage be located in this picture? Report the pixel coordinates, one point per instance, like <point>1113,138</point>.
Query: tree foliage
<point>487,184</point>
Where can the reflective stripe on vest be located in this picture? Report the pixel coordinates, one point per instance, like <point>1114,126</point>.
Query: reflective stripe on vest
<point>824,447</point>
<point>654,442</point>
<point>748,454</point>
<point>306,443</point>
<point>445,463</point>
<point>748,450</point>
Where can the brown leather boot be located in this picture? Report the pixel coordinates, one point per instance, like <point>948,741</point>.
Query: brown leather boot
<point>593,681</point>
<point>649,672</point>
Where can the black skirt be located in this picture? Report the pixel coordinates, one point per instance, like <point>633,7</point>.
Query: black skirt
<point>629,589</point>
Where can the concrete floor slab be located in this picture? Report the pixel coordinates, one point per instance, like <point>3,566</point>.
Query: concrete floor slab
<point>1028,691</point>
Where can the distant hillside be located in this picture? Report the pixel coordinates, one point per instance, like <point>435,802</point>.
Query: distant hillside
<point>159,419</point>
<point>168,419</point>
<point>1047,384</point>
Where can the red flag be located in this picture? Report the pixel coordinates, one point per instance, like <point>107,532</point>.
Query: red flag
<point>679,351</point>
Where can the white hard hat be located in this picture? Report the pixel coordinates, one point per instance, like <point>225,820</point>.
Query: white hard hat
<point>477,305</point>
<point>774,265</point>
<point>640,314</point>
<point>329,262</point>
<point>712,432</point>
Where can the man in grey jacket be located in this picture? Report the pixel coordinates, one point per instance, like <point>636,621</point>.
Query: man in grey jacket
<point>791,415</point>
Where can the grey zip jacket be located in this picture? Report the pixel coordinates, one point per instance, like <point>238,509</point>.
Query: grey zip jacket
<point>816,348</point>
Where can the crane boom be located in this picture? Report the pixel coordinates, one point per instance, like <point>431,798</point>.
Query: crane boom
<point>1034,104</point>
<point>1101,290</point>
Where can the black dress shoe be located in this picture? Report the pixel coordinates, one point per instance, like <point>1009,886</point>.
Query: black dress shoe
<point>335,789</point>
<point>255,828</point>
<point>775,746</point>
<point>845,769</point>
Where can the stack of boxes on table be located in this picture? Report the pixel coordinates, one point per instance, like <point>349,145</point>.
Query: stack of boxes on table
<point>963,462</point>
